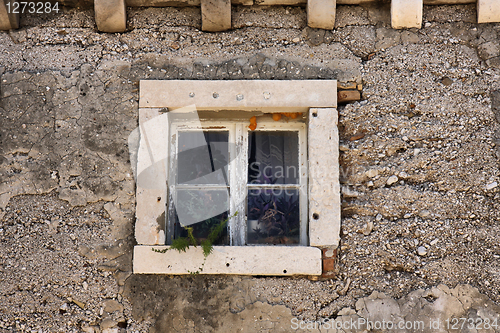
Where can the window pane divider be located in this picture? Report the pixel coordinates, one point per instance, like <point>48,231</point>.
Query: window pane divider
<point>200,187</point>
<point>238,170</point>
<point>273,186</point>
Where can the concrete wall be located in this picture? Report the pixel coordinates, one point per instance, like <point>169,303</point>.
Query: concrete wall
<point>419,168</point>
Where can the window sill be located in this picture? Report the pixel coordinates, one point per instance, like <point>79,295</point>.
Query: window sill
<point>239,260</point>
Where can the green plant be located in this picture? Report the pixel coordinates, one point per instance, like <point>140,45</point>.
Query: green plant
<point>181,244</point>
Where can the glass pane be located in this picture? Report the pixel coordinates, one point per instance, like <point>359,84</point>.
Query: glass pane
<point>202,210</point>
<point>273,157</point>
<point>273,216</point>
<point>203,157</point>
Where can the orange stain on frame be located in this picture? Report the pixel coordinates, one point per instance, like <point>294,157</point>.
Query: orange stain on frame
<point>276,117</point>
<point>253,123</point>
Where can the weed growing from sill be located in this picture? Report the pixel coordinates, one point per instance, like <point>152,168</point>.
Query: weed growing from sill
<point>181,244</point>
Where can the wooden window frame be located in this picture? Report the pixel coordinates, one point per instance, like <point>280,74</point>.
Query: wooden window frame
<point>238,187</point>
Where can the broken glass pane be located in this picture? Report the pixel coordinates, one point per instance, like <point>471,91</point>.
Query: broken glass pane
<point>203,157</point>
<point>273,157</point>
<point>273,216</point>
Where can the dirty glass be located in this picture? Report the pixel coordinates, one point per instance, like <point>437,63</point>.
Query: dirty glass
<point>201,198</point>
<point>203,157</point>
<point>201,210</point>
<point>273,195</point>
<point>273,216</point>
<point>273,157</point>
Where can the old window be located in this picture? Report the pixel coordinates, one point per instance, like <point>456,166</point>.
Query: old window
<point>281,177</point>
<point>266,183</point>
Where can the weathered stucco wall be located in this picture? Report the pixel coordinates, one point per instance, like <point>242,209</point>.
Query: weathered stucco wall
<point>419,167</point>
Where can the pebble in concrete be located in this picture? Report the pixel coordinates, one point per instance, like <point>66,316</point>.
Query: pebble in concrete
<point>392,180</point>
<point>112,305</point>
<point>406,14</point>
<point>424,213</point>
<point>491,186</point>
<point>421,251</point>
<point>371,173</point>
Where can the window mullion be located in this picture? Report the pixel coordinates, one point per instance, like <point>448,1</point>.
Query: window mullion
<point>238,180</point>
<point>303,174</point>
<point>171,185</point>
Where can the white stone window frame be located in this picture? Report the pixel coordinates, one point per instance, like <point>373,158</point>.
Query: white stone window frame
<point>318,98</point>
